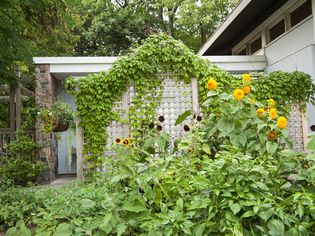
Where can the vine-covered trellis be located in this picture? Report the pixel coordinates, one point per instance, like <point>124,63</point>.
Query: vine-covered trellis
<point>97,94</point>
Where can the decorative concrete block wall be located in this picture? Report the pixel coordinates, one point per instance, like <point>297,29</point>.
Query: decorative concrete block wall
<point>45,96</point>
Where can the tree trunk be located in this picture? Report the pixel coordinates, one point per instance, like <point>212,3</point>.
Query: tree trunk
<point>171,25</point>
<point>171,17</point>
<point>203,34</point>
<point>160,14</point>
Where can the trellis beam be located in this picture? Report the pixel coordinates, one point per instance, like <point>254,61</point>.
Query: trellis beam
<point>195,96</point>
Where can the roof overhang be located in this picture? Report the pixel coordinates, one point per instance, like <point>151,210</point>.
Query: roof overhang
<point>244,18</point>
<point>64,67</point>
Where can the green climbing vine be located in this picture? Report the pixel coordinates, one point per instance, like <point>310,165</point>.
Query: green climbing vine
<point>96,94</point>
<point>285,87</point>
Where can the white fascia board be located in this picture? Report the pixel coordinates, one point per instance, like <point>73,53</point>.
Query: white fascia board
<point>74,60</point>
<point>238,63</point>
<point>235,59</point>
<point>240,7</point>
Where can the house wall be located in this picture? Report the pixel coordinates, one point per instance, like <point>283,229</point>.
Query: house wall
<point>295,51</point>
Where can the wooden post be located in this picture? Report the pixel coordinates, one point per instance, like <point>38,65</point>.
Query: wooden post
<point>79,148</point>
<point>12,108</point>
<point>18,107</point>
<point>18,101</point>
<point>304,128</point>
<point>125,108</point>
<point>195,96</point>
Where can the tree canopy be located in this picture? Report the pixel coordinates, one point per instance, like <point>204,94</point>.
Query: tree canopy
<point>98,27</point>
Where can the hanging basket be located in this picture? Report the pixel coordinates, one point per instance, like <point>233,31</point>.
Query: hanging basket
<point>61,127</point>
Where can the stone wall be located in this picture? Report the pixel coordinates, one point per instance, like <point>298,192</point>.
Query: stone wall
<point>45,96</point>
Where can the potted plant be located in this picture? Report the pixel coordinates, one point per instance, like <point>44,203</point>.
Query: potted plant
<point>58,118</point>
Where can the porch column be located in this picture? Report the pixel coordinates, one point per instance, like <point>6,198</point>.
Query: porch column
<point>44,97</point>
<point>313,13</point>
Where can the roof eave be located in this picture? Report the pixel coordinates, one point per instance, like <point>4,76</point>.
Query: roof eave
<point>239,8</point>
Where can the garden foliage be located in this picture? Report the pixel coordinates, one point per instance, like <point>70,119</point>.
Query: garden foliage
<point>20,167</point>
<point>231,174</point>
<point>220,185</point>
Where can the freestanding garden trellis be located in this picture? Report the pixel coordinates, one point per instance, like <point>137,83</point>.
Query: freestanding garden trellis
<point>177,97</point>
<point>49,70</point>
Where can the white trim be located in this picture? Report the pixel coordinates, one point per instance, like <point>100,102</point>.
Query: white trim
<point>239,8</point>
<point>313,13</point>
<point>74,60</point>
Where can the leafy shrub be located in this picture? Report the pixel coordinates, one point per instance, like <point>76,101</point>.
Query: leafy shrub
<point>22,147</point>
<point>19,171</point>
<point>20,166</point>
<point>231,194</point>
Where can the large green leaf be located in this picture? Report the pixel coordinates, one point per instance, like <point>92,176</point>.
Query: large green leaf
<point>182,117</point>
<point>134,205</point>
<point>63,229</point>
<point>276,228</point>
<point>235,208</point>
<point>271,147</point>
<point>87,203</point>
<point>200,229</point>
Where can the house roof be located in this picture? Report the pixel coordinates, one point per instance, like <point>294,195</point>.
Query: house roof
<point>244,18</point>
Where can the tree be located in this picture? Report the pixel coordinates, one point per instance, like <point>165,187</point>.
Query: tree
<point>111,27</point>
<point>30,28</point>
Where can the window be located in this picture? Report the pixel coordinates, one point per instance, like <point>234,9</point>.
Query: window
<point>255,45</point>
<point>276,30</point>
<point>242,52</point>
<point>301,13</point>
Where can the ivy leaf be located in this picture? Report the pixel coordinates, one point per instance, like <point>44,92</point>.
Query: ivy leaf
<point>182,117</point>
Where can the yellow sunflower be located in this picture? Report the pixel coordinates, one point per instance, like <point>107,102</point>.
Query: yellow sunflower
<point>271,103</point>
<point>273,113</point>
<point>260,112</point>
<point>118,140</point>
<point>212,84</point>
<point>272,135</point>
<point>126,141</point>
<point>238,94</point>
<point>246,89</point>
<point>282,122</point>
<point>247,78</point>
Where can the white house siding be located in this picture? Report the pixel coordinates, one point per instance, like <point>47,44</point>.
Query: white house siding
<point>292,42</point>
<point>295,51</point>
